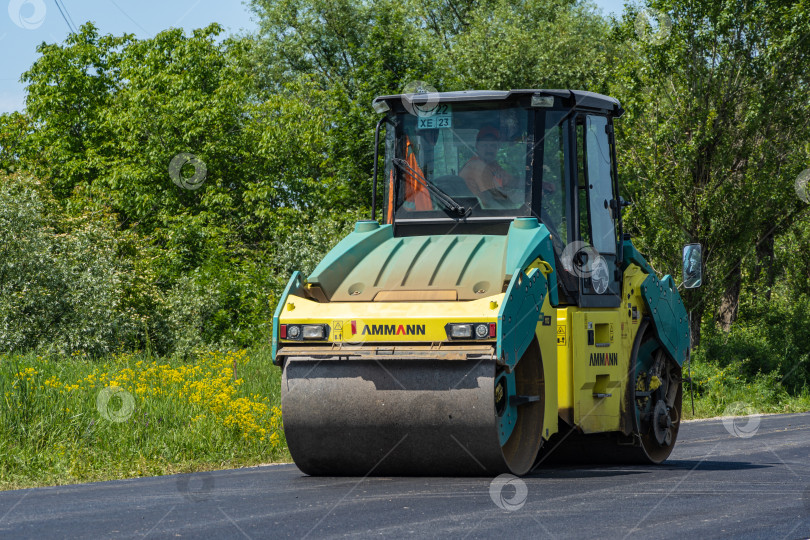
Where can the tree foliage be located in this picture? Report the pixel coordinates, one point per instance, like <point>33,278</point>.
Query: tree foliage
<point>130,108</point>
<point>715,136</point>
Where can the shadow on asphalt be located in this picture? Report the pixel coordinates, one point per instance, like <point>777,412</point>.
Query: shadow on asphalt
<point>586,472</point>
<point>709,465</point>
<point>590,471</point>
<point>596,471</point>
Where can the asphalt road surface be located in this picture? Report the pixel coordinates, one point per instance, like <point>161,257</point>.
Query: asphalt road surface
<point>735,478</point>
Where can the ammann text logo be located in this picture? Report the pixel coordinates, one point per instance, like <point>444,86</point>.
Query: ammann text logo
<point>604,359</point>
<point>394,330</point>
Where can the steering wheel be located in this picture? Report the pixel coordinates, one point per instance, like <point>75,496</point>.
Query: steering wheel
<point>494,198</point>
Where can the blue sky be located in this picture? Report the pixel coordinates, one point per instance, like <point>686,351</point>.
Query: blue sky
<point>24,24</point>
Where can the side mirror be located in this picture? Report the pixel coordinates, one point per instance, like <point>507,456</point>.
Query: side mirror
<point>692,266</point>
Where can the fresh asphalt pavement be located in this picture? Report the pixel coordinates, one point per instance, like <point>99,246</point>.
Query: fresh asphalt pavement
<point>744,477</point>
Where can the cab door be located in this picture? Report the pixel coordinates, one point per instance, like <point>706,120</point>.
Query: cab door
<point>599,362</point>
<point>599,278</point>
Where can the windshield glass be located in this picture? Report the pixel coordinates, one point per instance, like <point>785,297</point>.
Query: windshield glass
<point>477,154</point>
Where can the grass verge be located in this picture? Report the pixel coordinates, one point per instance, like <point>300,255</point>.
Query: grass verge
<point>68,420</point>
<point>732,390</point>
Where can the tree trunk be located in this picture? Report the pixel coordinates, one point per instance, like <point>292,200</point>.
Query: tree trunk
<point>765,267</point>
<point>696,318</point>
<point>730,305</point>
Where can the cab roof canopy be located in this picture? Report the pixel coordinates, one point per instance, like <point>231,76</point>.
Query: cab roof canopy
<point>568,99</point>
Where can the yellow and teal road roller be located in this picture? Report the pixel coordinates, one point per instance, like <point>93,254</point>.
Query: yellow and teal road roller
<point>494,313</point>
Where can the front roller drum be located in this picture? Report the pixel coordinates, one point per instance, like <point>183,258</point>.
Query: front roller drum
<point>403,417</point>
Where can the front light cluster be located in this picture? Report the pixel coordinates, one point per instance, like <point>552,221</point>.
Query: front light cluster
<point>470,330</point>
<point>309,332</point>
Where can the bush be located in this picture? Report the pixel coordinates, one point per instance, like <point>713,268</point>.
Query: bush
<point>76,283</point>
<point>769,338</point>
<point>222,303</point>
<point>763,362</point>
<point>60,277</point>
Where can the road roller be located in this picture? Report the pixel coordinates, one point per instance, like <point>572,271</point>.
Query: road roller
<point>493,314</point>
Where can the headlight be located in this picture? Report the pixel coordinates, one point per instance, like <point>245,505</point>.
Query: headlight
<point>460,331</point>
<point>300,332</point>
<point>315,331</point>
<point>470,330</point>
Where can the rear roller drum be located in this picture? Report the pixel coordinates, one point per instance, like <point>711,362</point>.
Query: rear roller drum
<point>654,395</point>
<point>657,398</point>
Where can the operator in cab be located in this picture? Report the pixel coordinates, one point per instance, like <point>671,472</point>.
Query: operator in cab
<point>482,173</point>
<point>487,179</point>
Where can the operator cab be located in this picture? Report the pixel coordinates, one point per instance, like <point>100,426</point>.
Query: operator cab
<point>471,162</point>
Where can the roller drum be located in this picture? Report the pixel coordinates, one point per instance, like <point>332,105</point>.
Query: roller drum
<point>394,417</point>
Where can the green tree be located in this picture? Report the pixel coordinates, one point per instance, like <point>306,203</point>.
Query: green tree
<point>348,52</point>
<point>68,88</point>
<point>717,114</point>
<point>508,44</point>
<point>266,166</point>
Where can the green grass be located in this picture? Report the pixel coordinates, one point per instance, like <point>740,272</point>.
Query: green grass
<point>187,416</point>
<point>732,390</point>
<point>195,415</point>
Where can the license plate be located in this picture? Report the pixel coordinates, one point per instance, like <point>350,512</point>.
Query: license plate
<point>434,122</point>
<point>439,118</point>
